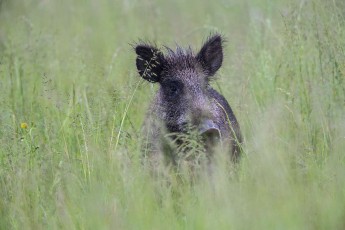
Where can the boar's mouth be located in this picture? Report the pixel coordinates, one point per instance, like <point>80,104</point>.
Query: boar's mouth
<point>210,133</point>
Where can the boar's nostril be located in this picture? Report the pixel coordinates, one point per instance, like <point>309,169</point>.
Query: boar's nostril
<point>207,125</point>
<point>209,132</point>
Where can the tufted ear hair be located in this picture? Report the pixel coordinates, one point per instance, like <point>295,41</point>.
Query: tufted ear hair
<point>150,61</point>
<point>210,55</point>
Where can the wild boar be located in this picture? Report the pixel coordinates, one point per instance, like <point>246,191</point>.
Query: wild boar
<point>185,99</point>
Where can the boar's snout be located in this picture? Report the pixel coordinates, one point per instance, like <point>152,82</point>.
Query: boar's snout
<point>210,132</point>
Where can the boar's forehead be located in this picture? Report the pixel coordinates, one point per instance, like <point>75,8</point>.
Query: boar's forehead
<point>183,66</point>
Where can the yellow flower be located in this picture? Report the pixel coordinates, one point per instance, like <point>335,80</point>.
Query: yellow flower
<point>23,125</point>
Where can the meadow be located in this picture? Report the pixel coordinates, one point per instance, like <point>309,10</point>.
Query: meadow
<point>72,105</point>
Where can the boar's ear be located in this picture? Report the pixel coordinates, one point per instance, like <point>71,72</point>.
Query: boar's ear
<point>149,62</point>
<point>211,54</point>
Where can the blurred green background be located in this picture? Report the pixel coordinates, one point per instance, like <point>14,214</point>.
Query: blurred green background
<point>72,105</point>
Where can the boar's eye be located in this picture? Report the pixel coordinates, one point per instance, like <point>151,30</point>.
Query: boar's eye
<point>172,88</point>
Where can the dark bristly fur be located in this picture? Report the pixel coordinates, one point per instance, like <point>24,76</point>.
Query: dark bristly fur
<point>185,97</point>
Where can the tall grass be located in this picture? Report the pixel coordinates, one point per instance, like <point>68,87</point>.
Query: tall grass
<point>72,106</point>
